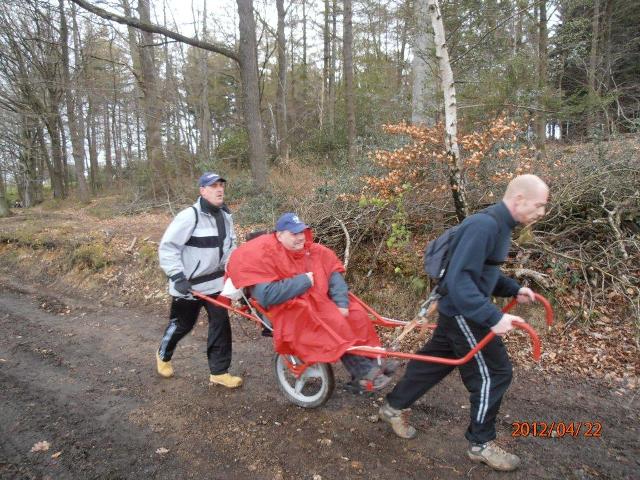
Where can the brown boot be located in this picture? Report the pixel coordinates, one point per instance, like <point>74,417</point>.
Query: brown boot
<point>494,456</point>
<point>164,368</point>
<point>226,380</point>
<point>398,419</point>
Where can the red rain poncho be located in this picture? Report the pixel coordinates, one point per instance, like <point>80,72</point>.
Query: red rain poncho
<point>309,326</point>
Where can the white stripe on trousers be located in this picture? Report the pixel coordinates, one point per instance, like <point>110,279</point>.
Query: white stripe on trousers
<point>482,367</point>
<point>167,336</point>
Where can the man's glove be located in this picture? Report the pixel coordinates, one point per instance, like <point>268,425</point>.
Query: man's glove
<point>181,284</point>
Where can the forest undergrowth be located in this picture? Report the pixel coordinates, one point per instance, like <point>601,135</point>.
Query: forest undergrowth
<point>584,256</point>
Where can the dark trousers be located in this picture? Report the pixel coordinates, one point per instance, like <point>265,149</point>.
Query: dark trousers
<point>184,314</point>
<point>487,375</point>
<point>357,366</point>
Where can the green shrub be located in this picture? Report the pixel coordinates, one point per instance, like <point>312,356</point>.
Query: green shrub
<point>234,148</point>
<point>148,254</point>
<point>92,256</point>
<point>260,209</point>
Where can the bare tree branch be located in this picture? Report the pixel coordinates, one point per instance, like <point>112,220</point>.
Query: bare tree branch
<point>149,27</point>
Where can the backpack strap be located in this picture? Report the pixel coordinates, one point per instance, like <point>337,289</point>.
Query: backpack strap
<point>493,215</point>
<point>442,290</point>
<point>195,212</point>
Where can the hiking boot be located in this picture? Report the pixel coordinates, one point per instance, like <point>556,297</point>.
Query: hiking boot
<point>494,456</point>
<point>226,380</point>
<point>398,419</point>
<point>164,368</point>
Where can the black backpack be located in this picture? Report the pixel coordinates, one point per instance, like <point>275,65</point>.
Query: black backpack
<point>438,253</point>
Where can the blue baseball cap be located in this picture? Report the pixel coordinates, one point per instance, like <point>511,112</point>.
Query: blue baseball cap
<point>209,178</point>
<point>291,222</point>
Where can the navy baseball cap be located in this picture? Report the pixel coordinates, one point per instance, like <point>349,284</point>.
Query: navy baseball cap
<point>291,222</point>
<point>209,178</point>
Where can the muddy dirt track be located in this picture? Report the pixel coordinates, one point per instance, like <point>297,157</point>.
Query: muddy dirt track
<point>81,376</point>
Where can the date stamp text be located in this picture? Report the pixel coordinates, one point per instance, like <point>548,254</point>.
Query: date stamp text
<point>557,429</point>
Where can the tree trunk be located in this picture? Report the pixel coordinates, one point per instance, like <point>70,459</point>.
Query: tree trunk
<point>151,104</point>
<point>305,86</point>
<point>424,103</point>
<point>4,205</point>
<point>326,56</point>
<point>108,163</point>
<point>403,45</point>
<point>281,94</point>
<point>28,180</point>
<point>77,140</point>
<point>117,137</point>
<point>92,140</point>
<point>593,63</point>
<point>76,122</point>
<point>456,180</point>
<point>204,146</point>
<point>332,69</point>
<point>349,94</point>
<point>55,165</point>
<point>64,155</point>
<point>541,119</point>
<point>250,93</point>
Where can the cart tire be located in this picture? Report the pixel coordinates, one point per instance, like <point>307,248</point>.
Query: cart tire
<point>311,390</point>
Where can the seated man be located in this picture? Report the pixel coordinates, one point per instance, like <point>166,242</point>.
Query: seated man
<point>301,284</point>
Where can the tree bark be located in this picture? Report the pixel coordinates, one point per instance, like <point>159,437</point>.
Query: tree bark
<point>281,93</point>
<point>403,45</point>
<point>204,146</point>
<point>117,140</point>
<point>79,155</point>
<point>55,166</point>
<point>349,94</point>
<point>29,181</point>
<point>424,104</point>
<point>456,180</point>
<point>332,68</point>
<point>305,81</point>
<point>250,93</point>
<point>593,63</point>
<point>541,119</point>
<point>92,140</point>
<point>4,204</point>
<point>108,162</point>
<point>151,104</point>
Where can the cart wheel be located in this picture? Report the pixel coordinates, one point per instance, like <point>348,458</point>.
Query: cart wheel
<point>312,389</point>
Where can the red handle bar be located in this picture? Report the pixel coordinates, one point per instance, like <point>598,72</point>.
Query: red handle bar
<point>376,352</point>
<point>535,340</point>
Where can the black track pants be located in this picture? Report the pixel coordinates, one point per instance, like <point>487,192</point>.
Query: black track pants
<point>184,314</point>
<point>487,375</point>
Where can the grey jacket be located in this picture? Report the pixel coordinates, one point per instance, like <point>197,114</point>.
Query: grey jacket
<point>194,249</point>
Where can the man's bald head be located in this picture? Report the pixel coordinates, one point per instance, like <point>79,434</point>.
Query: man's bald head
<point>526,197</point>
<point>525,185</point>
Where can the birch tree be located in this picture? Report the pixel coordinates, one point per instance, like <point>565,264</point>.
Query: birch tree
<point>456,180</point>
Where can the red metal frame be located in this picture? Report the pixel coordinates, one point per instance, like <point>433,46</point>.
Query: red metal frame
<point>378,319</point>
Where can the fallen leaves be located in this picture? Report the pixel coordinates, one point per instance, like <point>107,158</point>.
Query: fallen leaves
<point>42,446</point>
